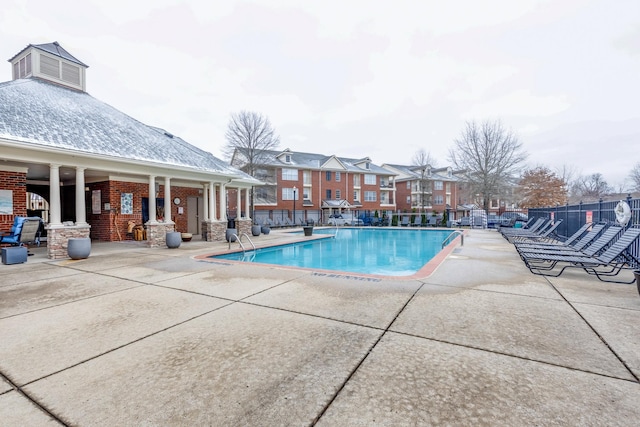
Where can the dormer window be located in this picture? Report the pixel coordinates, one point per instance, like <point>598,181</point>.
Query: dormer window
<point>367,166</point>
<point>287,158</point>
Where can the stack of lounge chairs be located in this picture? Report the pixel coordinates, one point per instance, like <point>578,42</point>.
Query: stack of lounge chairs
<point>599,249</point>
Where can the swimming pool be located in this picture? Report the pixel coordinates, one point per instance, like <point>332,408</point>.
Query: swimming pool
<point>377,251</point>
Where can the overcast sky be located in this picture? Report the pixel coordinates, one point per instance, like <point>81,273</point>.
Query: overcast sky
<point>381,79</point>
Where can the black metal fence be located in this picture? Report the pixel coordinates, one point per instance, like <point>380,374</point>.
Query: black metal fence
<point>575,216</point>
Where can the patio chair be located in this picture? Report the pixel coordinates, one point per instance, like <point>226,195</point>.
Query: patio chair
<point>25,232</point>
<point>536,229</point>
<point>405,221</point>
<point>543,235</point>
<point>465,221</point>
<point>433,221</point>
<point>531,227</point>
<point>573,243</point>
<point>532,255</point>
<point>417,221</point>
<point>604,266</point>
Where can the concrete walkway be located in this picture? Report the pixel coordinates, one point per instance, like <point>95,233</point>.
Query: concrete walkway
<point>135,336</point>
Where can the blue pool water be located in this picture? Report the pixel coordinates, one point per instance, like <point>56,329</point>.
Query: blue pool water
<point>381,251</point>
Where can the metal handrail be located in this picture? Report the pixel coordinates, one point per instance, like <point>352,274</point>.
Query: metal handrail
<point>249,239</point>
<point>452,233</point>
<point>239,240</point>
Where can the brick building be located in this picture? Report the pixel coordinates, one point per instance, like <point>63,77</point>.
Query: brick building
<point>89,170</point>
<point>425,189</point>
<point>318,185</point>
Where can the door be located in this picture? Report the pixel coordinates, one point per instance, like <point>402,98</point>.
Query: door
<point>194,215</point>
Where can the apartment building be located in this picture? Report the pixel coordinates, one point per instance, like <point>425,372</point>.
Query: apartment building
<point>317,185</point>
<point>425,189</point>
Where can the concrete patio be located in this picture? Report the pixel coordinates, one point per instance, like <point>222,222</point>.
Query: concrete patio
<point>138,336</point>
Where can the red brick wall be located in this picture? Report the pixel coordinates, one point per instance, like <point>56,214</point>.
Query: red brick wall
<point>16,182</point>
<point>112,225</point>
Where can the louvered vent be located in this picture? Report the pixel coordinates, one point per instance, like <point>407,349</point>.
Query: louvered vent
<point>49,66</point>
<point>70,73</point>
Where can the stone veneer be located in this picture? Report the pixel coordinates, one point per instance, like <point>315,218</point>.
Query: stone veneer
<point>215,230</point>
<point>58,238</point>
<point>244,226</point>
<point>157,233</point>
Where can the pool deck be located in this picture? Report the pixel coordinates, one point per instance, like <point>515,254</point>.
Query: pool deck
<point>140,336</point>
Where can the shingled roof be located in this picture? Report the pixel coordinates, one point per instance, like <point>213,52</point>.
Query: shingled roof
<point>39,113</point>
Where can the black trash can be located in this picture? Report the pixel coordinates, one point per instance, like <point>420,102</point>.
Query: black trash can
<point>231,223</point>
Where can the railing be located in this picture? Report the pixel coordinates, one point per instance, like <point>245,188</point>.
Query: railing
<point>446,240</point>
<point>239,240</point>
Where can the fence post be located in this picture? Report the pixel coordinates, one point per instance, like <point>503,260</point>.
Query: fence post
<point>600,209</point>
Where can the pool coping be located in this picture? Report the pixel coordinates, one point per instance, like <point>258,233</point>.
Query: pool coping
<point>424,272</point>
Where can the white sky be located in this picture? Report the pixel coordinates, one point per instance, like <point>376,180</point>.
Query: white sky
<point>362,78</point>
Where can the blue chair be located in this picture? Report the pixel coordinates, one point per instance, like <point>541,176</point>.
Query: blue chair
<point>24,230</point>
<point>14,234</point>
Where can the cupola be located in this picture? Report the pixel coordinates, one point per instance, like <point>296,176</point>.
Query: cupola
<point>50,62</point>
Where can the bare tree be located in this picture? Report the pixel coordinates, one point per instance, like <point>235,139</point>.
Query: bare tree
<point>249,136</point>
<point>422,162</point>
<point>635,177</point>
<point>590,188</point>
<point>491,155</point>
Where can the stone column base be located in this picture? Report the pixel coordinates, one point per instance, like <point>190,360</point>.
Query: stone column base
<point>157,233</point>
<point>58,238</point>
<point>243,225</point>
<point>216,230</point>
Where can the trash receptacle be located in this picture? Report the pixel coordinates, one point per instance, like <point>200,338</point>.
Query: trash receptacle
<point>231,223</point>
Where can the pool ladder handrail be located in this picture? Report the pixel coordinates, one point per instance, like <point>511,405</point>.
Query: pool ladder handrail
<point>452,233</point>
<point>239,240</point>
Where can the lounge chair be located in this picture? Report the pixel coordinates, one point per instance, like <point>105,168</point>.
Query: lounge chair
<point>608,264</point>
<point>465,221</point>
<point>543,235</point>
<point>532,227</point>
<point>433,221</point>
<point>536,229</point>
<point>405,221</point>
<point>573,243</point>
<point>417,221</point>
<point>537,255</point>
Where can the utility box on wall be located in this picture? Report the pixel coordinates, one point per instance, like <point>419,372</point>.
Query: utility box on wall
<point>14,255</point>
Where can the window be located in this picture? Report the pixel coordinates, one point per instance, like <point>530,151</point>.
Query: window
<point>356,180</point>
<point>287,194</point>
<point>437,185</point>
<point>356,195</point>
<point>287,158</point>
<point>338,194</point>
<point>338,176</point>
<point>367,166</point>
<point>328,194</point>
<point>306,177</point>
<point>370,196</point>
<point>306,193</point>
<point>408,185</point>
<point>438,199</point>
<point>369,179</point>
<point>448,187</point>
<point>327,175</point>
<point>408,200</point>
<point>289,174</point>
